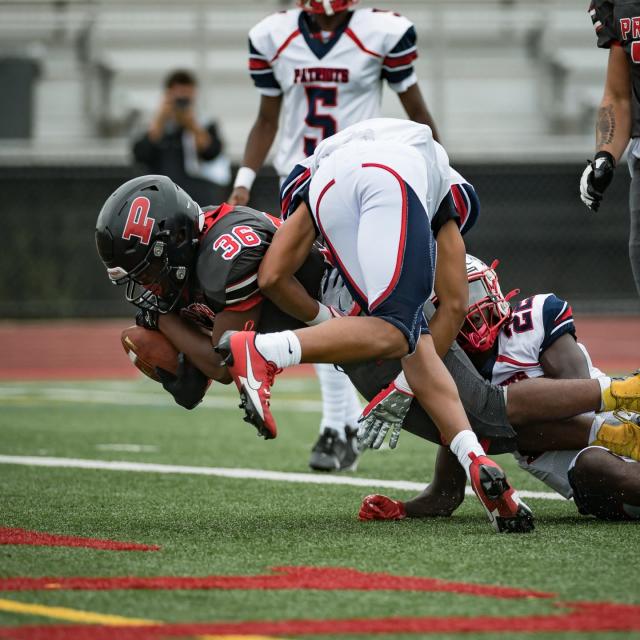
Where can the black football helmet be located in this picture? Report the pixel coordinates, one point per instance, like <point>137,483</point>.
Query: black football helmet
<point>147,235</point>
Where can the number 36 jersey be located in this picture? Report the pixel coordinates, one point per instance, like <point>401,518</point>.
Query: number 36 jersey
<point>328,83</point>
<point>232,244</point>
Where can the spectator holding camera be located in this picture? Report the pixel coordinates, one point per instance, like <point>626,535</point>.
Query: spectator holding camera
<point>177,145</point>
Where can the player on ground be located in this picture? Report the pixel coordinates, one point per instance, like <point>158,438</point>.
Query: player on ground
<point>534,338</point>
<point>320,68</point>
<point>378,196</point>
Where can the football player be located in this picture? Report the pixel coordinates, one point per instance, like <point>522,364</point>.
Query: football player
<point>323,65</point>
<point>177,262</point>
<point>618,124</point>
<point>378,197</point>
<point>320,68</point>
<point>534,338</point>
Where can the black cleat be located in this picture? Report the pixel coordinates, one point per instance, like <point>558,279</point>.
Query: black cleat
<point>332,453</point>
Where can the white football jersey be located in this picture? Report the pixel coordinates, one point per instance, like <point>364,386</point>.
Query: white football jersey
<point>537,323</point>
<point>328,84</point>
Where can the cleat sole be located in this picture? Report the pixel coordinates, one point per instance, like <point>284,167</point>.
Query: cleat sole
<point>494,484</point>
<point>252,416</point>
<point>523,522</point>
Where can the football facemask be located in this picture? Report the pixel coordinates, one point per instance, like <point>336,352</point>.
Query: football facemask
<point>488,309</point>
<point>154,283</point>
<point>326,7</point>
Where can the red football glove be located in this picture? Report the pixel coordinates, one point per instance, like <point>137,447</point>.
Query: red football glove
<point>377,507</point>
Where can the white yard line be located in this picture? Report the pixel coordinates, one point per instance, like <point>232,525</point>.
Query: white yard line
<point>239,474</point>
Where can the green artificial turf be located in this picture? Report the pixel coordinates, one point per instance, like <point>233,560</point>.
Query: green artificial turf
<point>211,526</point>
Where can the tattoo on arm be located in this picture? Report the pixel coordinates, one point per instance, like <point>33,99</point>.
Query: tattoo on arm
<point>606,126</point>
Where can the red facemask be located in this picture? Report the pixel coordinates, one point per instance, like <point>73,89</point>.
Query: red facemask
<point>488,310</point>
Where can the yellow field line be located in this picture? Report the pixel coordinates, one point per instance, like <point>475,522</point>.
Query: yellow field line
<point>88,617</point>
<point>72,615</point>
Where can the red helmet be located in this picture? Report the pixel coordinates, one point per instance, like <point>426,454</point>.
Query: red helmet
<point>327,7</point>
<point>488,308</point>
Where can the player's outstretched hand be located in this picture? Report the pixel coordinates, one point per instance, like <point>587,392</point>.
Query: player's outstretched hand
<point>188,386</point>
<point>378,507</point>
<point>386,411</point>
<point>596,177</point>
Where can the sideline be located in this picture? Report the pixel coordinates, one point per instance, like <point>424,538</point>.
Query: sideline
<point>236,473</point>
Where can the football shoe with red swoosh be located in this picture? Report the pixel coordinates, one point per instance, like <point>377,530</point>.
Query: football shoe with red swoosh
<point>504,507</point>
<point>254,376</point>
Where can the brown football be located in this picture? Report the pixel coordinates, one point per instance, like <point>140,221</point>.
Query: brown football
<point>149,349</point>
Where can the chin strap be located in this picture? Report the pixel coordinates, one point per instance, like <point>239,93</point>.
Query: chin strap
<point>511,294</point>
<point>328,9</point>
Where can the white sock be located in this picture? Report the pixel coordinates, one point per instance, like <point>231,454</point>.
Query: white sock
<point>334,386</point>
<point>595,426</point>
<point>463,444</point>
<point>605,383</point>
<point>402,384</point>
<point>282,348</point>
<point>353,407</point>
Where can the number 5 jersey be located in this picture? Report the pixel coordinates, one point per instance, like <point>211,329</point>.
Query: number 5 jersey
<point>328,81</point>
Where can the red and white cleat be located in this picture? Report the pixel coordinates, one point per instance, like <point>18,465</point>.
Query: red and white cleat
<point>377,507</point>
<point>504,507</point>
<point>254,377</point>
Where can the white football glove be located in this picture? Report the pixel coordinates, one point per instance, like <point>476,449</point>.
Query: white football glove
<point>335,295</point>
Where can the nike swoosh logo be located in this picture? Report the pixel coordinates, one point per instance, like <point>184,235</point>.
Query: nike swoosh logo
<point>289,345</point>
<point>251,380</point>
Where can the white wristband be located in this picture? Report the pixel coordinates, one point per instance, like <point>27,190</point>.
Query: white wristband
<point>244,178</point>
<point>324,314</point>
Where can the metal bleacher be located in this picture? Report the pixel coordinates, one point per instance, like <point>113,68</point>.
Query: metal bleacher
<point>505,79</point>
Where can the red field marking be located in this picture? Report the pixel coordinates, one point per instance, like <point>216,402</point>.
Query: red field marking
<point>71,350</point>
<point>41,539</point>
<point>582,617</point>
<point>321,578</point>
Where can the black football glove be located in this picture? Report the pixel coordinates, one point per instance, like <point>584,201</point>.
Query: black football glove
<point>147,318</point>
<point>596,178</point>
<point>188,386</point>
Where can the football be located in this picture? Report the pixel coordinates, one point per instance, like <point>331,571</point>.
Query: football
<point>149,349</point>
